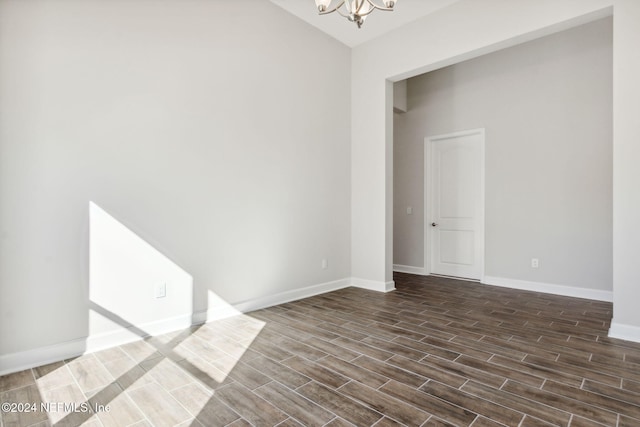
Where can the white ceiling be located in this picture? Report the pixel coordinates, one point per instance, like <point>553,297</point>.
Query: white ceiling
<point>377,24</point>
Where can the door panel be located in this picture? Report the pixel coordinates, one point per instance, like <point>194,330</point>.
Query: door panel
<point>455,222</point>
<point>455,179</point>
<point>456,247</point>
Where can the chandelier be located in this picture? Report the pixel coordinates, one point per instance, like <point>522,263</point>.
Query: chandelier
<point>354,10</point>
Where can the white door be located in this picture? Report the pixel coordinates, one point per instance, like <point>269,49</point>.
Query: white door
<point>454,229</point>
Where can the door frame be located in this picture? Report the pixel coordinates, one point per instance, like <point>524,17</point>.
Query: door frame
<point>428,194</point>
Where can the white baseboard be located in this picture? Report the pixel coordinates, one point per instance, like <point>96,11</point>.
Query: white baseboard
<point>14,362</point>
<point>409,269</point>
<point>373,285</point>
<point>624,332</point>
<point>19,361</point>
<point>549,288</point>
<point>120,336</point>
<point>288,296</point>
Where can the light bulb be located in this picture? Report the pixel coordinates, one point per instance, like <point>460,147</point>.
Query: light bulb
<point>323,5</point>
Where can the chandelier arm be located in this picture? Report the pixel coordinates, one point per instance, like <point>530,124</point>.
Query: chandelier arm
<point>340,12</point>
<point>328,11</point>
<point>375,6</point>
<point>370,10</point>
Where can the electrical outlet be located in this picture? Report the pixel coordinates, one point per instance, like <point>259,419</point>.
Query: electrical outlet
<point>160,290</point>
<point>409,210</point>
<point>535,263</point>
<point>325,264</point>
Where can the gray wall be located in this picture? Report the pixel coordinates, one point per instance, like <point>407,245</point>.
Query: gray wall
<point>547,109</point>
<point>214,131</point>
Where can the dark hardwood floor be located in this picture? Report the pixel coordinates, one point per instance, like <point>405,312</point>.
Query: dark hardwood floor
<point>435,352</point>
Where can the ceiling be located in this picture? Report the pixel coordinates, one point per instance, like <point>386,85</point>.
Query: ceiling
<point>376,25</point>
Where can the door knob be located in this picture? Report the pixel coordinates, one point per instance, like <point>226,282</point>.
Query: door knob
<point>433,224</point>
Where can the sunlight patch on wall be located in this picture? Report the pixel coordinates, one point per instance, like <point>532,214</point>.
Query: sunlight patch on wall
<point>219,308</point>
<point>130,279</point>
